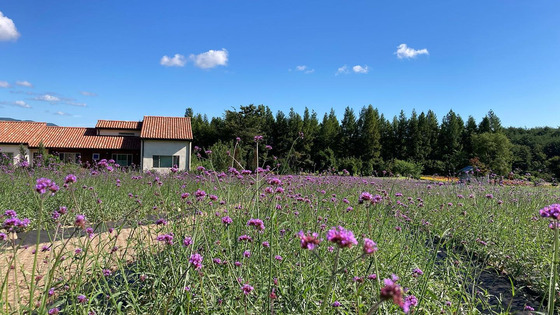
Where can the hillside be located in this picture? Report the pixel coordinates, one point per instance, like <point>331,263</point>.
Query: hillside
<point>12,119</point>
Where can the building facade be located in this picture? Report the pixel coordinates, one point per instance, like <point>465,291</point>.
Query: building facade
<point>155,143</point>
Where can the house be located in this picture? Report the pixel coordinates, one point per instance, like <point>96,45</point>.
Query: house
<point>155,143</point>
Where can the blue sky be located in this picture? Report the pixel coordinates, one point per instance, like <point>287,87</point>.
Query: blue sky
<point>73,62</point>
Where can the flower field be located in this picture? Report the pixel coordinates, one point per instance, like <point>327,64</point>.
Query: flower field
<point>242,242</point>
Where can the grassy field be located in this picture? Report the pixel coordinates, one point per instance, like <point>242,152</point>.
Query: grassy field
<point>247,243</point>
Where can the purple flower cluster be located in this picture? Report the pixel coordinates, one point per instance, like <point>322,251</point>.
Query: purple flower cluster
<point>12,223</point>
<point>342,237</point>
<point>187,241</point>
<point>369,246</point>
<point>257,223</point>
<point>166,238</point>
<point>80,221</point>
<point>393,291</point>
<point>227,220</point>
<point>309,241</point>
<point>70,178</point>
<point>196,261</point>
<point>552,211</point>
<point>247,289</point>
<point>44,184</point>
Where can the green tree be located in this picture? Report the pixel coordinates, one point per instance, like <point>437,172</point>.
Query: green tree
<point>450,146</point>
<point>494,150</point>
<point>369,136</point>
<point>347,140</point>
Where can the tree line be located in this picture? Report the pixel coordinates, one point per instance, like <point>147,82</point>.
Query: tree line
<point>366,142</point>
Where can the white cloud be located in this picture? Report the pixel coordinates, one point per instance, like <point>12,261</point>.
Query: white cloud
<point>4,84</point>
<point>177,61</point>
<point>360,69</point>
<point>405,52</point>
<point>24,83</point>
<point>304,69</point>
<point>47,98</point>
<point>22,104</point>
<point>86,93</point>
<point>8,29</point>
<point>16,103</point>
<point>59,113</point>
<point>210,59</point>
<point>76,104</point>
<point>341,70</point>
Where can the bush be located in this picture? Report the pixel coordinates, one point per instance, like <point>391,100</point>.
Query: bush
<point>405,168</point>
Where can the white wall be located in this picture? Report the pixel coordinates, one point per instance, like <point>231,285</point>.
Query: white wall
<point>14,148</point>
<point>166,147</point>
<point>115,132</point>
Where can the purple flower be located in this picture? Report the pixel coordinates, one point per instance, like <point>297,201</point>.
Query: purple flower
<point>342,237</point>
<point>369,246</point>
<point>257,223</point>
<point>336,304</point>
<point>106,272</point>
<point>80,221</point>
<point>227,220</point>
<point>409,301</point>
<point>247,254</point>
<point>266,244</point>
<point>366,196</point>
<point>13,223</point>
<point>54,311</point>
<point>82,299</point>
<point>70,178</point>
<point>309,241</point>
<point>247,289</point>
<point>245,238</point>
<point>187,241</point>
<point>161,221</point>
<point>551,211</point>
<point>278,257</point>
<point>196,261</point>
<point>43,184</point>
<point>3,237</point>
<point>166,238</point>
<point>258,138</point>
<point>392,291</point>
<point>417,272</point>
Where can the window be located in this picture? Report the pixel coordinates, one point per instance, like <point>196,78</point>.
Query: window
<point>122,159</point>
<point>6,158</point>
<point>69,157</point>
<point>95,156</point>
<point>165,160</point>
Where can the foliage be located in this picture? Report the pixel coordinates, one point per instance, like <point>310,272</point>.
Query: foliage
<point>439,147</point>
<point>405,168</point>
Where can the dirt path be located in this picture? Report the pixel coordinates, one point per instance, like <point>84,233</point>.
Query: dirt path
<point>104,250</point>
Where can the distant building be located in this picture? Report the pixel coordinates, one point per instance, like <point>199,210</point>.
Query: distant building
<point>466,173</point>
<point>156,143</point>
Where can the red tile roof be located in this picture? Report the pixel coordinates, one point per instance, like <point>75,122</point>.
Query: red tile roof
<point>118,124</point>
<point>19,131</point>
<point>81,138</point>
<point>171,128</point>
